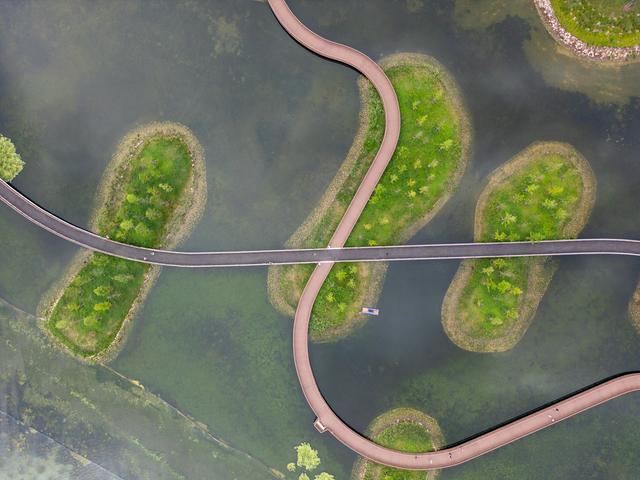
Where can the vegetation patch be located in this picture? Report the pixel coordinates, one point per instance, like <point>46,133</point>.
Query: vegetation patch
<point>634,308</point>
<point>10,162</point>
<point>545,192</point>
<point>597,29</point>
<point>405,430</point>
<point>431,157</point>
<point>152,194</point>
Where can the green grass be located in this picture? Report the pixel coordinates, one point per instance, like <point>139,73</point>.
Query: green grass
<point>534,204</point>
<point>405,437</point>
<point>610,23</point>
<point>92,308</point>
<point>419,174</point>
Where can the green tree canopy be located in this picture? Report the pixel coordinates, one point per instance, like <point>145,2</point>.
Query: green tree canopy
<point>10,162</point>
<point>307,456</point>
<point>324,476</point>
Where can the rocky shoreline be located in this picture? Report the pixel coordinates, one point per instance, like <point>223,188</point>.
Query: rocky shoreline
<point>618,55</point>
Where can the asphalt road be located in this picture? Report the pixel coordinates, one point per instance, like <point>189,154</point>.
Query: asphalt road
<point>39,216</point>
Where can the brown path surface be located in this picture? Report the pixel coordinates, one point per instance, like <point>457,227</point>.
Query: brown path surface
<point>327,420</point>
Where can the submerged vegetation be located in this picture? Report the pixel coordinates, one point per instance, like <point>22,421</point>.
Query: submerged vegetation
<point>405,430</point>
<point>146,195</point>
<point>545,192</point>
<point>607,23</point>
<point>426,167</point>
<point>10,162</point>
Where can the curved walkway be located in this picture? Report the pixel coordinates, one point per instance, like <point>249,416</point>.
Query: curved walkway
<point>327,420</point>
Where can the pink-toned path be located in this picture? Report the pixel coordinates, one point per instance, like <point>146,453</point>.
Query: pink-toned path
<point>327,420</point>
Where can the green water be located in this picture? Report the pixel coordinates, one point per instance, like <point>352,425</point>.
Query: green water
<point>275,123</point>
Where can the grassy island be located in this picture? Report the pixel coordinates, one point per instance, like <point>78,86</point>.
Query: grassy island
<point>405,430</point>
<point>430,159</point>
<point>152,194</point>
<point>603,30</point>
<point>546,192</point>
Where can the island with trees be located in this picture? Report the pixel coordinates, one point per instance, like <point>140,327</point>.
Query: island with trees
<point>402,429</point>
<point>600,30</point>
<point>432,154</point>
<point>546,191</point>
<point>152,194</point>
<point>11,163</point>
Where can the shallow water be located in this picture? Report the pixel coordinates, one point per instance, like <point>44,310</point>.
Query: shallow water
<point>276,122</point>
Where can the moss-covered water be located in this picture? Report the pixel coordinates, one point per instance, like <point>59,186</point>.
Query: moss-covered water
<point>275,123</point>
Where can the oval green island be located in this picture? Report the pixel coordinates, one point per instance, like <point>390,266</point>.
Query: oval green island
<point>431,156</point>
<point>546,192</point>
<point>152,194</point>
<point>406,430</point>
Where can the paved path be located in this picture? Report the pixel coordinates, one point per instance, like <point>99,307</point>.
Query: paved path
<point>327,420</point>
<point>39,216</point>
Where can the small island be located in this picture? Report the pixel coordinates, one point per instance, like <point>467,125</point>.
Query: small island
<point>603,31</point>
<point>405,430</point>
<point>11,163</point>
<point>545,192</point>
<point>152,194</point>
<point>431,156</point>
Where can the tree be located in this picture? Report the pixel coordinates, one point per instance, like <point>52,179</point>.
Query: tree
<point>446,145</point>
<point>500,236</point>
<point>101,290</point>
<point>126,225</point>
<point>488,270</point>
<point>324,476</point>
<point>307,457</point>
<point>504,286</point>
<point>91,321</point>
<point>152,214</point>
<point>508,219</point>
<point>341,275</point>
<point>303,476</point>
<point>10,162</point>
<point>102,307</point>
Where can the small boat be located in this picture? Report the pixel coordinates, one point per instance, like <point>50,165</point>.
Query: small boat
<point>370,311</point>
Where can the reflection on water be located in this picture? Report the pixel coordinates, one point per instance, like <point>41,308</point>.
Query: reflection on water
<point>26,454</point>
<point>602,83</point>
<point>276,122</point>
<point>102,416</point>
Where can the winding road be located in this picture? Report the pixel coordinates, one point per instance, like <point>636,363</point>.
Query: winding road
<point>327,420</point>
